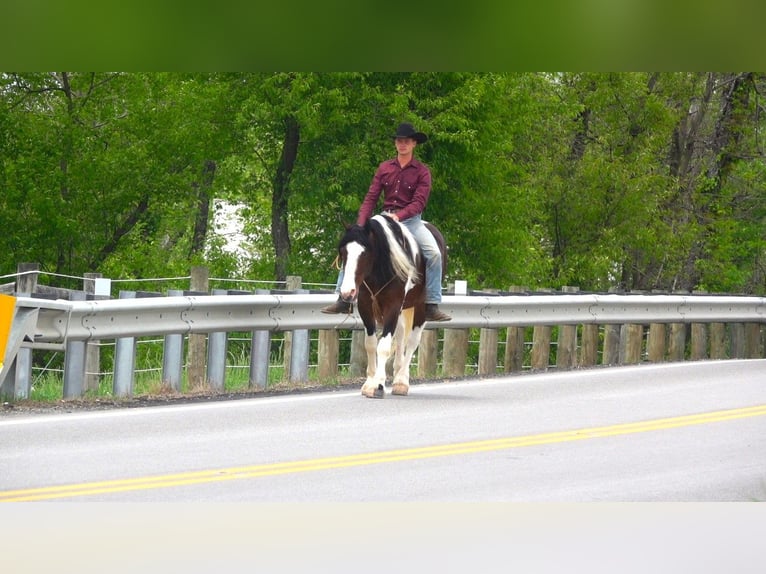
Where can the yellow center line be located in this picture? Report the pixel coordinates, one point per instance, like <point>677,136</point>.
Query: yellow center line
<point>311,465</point>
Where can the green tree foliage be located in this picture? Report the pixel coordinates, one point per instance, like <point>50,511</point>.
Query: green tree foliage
<point>632,180</point>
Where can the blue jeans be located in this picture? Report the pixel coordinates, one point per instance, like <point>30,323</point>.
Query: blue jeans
<point>431,253</point>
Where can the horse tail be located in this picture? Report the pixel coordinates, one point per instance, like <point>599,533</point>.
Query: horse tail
<point>402,248</point>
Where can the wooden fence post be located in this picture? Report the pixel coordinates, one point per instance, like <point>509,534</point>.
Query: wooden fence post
<point>699,341</point>
<point>655,343</point>
<point>455,352</point>
<point>327,354</point>
<point>92,348</point>
<point>566,351</point>
<point>487,363</point>
<point>541,345</point>
<point>514,343</point>
<point>717,340</point>
<point>196,351</point>
<point>428,352</point>
<point>631,339</point>
<point>737,334</point>
<point>753,341</point>
<point>589,349</point>
<point>358,362</point>
<point>26,282</point>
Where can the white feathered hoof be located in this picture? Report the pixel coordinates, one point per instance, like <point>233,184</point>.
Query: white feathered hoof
<point>373,392</point>
<point>400,389</point>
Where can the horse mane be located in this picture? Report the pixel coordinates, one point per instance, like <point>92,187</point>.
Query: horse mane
<point>395,248</point>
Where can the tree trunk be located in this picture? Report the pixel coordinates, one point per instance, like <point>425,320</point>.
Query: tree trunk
<point>203,207</point>
<point>280,235</point>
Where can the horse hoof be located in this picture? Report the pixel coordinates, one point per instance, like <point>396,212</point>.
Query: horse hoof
<point>399,389</point>
<point>374,392</point>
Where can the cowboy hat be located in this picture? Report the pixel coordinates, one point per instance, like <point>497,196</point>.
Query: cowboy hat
<point>405,130</point>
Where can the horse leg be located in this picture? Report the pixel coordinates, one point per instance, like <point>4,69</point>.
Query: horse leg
<point>408,342</point>
<point>373,386</point>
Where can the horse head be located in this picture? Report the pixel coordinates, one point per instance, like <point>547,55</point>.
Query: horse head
<point>355,256</point>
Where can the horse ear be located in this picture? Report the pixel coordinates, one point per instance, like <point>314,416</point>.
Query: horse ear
<point>346,226</point>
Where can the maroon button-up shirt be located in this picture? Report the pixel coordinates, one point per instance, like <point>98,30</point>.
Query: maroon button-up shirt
<point>405,190</point>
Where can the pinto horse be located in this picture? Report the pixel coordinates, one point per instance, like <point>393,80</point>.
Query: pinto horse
<point>384,272</point>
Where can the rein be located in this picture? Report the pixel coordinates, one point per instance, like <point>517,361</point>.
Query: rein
<point>376,312</point>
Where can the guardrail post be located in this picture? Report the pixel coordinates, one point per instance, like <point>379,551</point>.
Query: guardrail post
<point>195,352</point>
<point>260,354</point>
<point>611,351</point>
<point>487,351</point>
<point>26,282</point>
<point>753,340</point>
<point>589,348</point>
<point>292,283</point>
<point>655,343</point>
<point>124,360</point>
<point>513,361</point>
<point>428,353</point>
<point>172,354</point>
<point>631,339</point>
<point>358,361</point>
<point>717,340</point>
<point>74,360</point>
<point>455,352</point>
<point>566,350</point>
<point>92,348</point>
<point>737,334</point>
<point>217,344</point>
<point>327,354</point>
<point>541,347</point>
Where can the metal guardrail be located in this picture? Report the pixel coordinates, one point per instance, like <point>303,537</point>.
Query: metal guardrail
<point>56,324</point>
<point>60,321</point>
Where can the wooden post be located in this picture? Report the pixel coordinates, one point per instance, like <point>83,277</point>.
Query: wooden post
<point>737,333</point>
<point>752,340</point>
<point>717,340</point>
<point>328,351</point>
<point>196,348</point>
<point>631,339</point>
<point>487,363</point>
<point>699,342</point>
<point>514,343</point>
<point>541,347</point>
<point>677,342</point>
<point>589,349</point>
<point>358,366</point>
<point>611,353</point>
<point>92,348</point>
<point>566,351</point>
<point>428,352</point>
<point>487,352</point>
<point>455,352</point>
<point>698,350</point>
<point>26,282</point>
<point>655,344</point>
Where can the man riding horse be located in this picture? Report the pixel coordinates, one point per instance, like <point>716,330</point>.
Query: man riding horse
<point>406,185</point>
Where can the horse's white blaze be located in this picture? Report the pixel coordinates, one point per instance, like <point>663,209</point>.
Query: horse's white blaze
<point>353,252</point>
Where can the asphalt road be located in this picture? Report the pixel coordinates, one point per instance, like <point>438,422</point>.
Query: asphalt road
<point>673,432</point>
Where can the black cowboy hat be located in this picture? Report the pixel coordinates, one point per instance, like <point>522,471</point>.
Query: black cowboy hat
<point>406,130</point>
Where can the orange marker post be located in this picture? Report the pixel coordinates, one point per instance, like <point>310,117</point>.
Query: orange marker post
<point>7,307</point>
